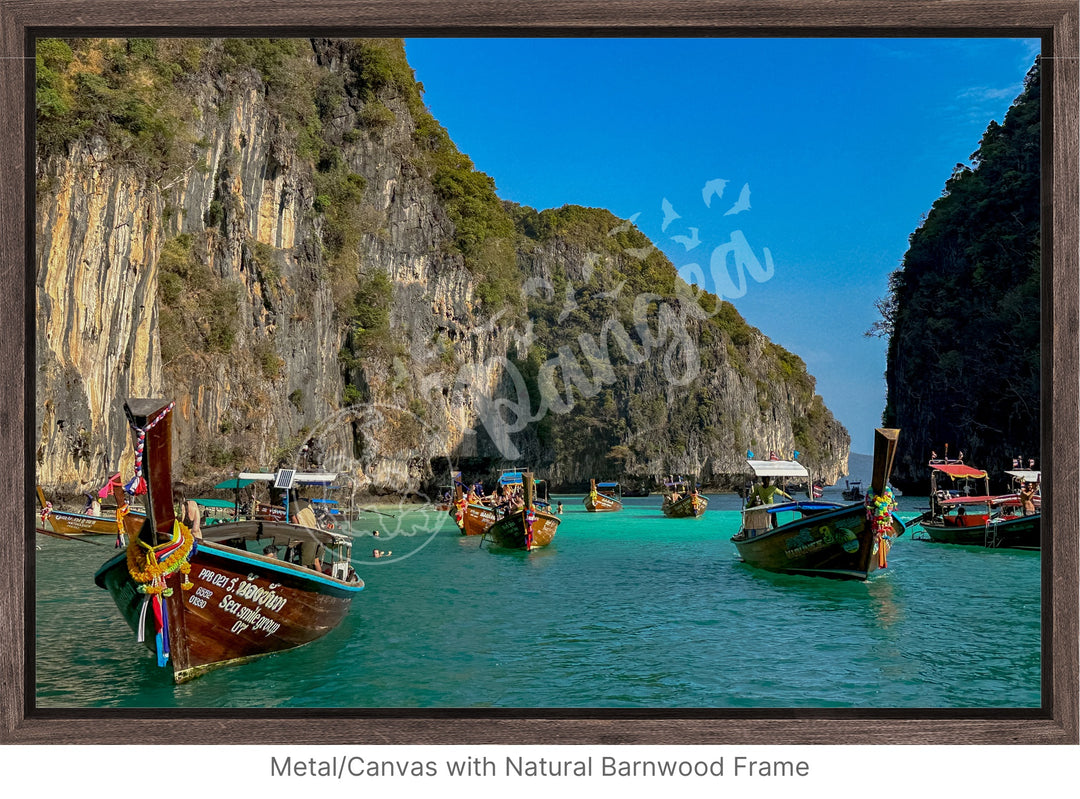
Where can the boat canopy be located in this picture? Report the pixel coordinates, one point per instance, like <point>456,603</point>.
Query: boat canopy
<point>279,532</point>
<point>955,470</point>
<point>778,469</point>
<point>286,478</point>
<point>215,503</point>
<point>516,479</point>
<point>234,483</point>
<point>801,505</point>
<point>1026,476</point>
<point>607,485</point>
<point>983,500</point>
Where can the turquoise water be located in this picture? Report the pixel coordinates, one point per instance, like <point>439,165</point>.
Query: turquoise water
<point>623,610</point>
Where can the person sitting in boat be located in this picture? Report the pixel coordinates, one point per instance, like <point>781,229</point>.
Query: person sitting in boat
<point>1027,499</point>
<point>192,518</point>
<point>93,507</point>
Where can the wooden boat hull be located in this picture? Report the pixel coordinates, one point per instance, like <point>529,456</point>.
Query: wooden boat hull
<point>840,543</point>
<point>511,531</point>
<point>689,507</point>
<point>971,534</point>
<point>476,519</point>
<point>70,523</point>
<point>1022,532</point>
<point>601,503</point>
<point>240,606</point>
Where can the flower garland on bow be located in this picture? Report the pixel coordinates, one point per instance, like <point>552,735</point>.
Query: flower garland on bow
<point>593,496</point>
<point>46,512</point>
<point>149,567</point>
<point>879,508</point>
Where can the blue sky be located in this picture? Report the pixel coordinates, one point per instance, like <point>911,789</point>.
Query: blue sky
<point>843,144</point>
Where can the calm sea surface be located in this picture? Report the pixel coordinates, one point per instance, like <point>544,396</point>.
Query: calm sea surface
<point>623,610</point>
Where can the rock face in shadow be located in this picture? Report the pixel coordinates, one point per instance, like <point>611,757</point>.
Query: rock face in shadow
<point>317,276</point>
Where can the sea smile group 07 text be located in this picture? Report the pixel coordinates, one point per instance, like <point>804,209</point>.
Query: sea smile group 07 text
<point>340,767</point>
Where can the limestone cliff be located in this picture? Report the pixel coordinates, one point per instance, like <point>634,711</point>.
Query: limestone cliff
<point>278,236</point>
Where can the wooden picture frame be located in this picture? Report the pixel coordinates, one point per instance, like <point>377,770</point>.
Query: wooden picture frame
<point>1054,21</point>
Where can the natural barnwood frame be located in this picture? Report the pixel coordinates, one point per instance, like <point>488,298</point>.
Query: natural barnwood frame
<point>1055,21</point>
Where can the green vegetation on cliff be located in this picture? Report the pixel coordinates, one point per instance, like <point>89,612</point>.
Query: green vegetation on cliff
<point>963,311</point>
<point>647,373</point>
<point>640,361</point>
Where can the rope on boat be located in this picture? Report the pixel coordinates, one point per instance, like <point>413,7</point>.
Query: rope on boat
<point>137,484</point>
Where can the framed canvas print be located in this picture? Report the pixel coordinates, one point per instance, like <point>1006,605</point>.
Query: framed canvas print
<point>648,374</point>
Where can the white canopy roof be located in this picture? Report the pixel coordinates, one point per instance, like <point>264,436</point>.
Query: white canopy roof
<point>1026,476</point>
<point>286,478</point>
<point>778,469</point>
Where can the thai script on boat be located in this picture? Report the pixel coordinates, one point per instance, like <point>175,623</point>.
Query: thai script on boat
<point>237,589</point>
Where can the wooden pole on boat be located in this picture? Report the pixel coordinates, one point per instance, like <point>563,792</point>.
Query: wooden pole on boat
<point>884,451</point>
<point>156,464</point>
<point>528,489</point>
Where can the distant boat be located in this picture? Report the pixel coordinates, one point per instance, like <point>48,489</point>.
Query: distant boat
<point>957,516</point>
<point>823,539</point>
<point>530,527</point>
<point>603,497</point>
<point>70,523</point>
<point>203,603</point>
<point>853,491</point>
<point>998,524</point>
<point>475,517</point>
<point>683,500</point>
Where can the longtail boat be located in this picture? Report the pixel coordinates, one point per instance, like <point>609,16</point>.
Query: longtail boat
<point>852,491</point>
<point>683,501</point>
<point>999,521</point>
<point>232,595</point>
<point>603,497</point>
<point>955,516</point>
<point>1008,527</point>
<point>70,523</point>
<point>529,528</point>
<point>1007,531</point>
<point>476,518</point>
<point>471,515</point>
<point>825,539</point>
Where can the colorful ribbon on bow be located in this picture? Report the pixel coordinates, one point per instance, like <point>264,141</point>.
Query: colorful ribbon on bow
<point>149,567</point>
<point>137,484</point>
<point>879,508</point>
<point>530,517</point>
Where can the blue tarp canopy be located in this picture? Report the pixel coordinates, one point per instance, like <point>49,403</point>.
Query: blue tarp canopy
<point>607,485</point>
